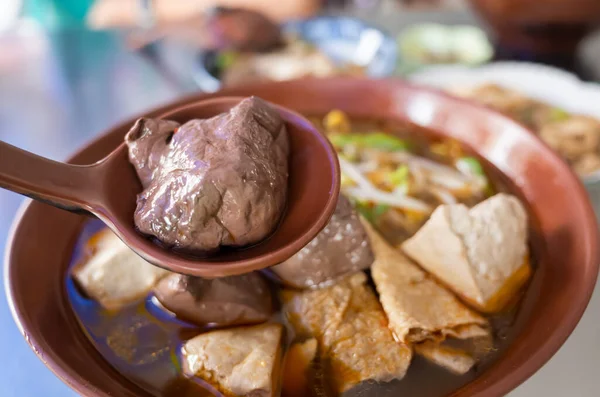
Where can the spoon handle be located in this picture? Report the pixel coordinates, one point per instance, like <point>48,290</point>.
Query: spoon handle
<point>62,185</point>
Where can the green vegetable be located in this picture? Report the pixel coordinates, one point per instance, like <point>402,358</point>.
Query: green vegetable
<point>225,59</point>
<point>399,177</point>
<point>365,210</point>
<point>376,140</point>
<point>379,210</point>
<point>557,114</point>
<point>470,165</point>
<point>341,140</point>
<point>371,212</point>
<point>379,140</point>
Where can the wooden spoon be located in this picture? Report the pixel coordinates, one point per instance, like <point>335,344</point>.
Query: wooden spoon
<point>108,190</point>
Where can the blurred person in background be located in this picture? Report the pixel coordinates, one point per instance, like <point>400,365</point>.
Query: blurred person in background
<point>126,13</point>
<point>56,14</point>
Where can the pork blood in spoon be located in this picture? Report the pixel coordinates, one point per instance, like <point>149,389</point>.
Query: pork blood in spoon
<point>210,183</point>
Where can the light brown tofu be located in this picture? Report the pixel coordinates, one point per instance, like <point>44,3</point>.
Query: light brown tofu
<point>480,253</point>
<point>298,361</point>
<point>238,361</point>
<point>417,306</point>
<point>113,274</point>
<point>352,332</point>
<point>454,360</point>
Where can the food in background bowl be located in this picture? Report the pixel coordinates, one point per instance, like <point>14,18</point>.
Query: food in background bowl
<point>295,59</point>
<point>317,47</point>
<point>575,137</point>
<point>398,187</point>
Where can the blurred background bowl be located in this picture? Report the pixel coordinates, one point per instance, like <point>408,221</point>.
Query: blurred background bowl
<point>337,37</point>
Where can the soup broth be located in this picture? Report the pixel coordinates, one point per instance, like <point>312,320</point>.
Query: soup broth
<point>143,340</point>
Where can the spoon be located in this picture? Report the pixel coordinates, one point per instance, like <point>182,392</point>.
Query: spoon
<point>107,189</point>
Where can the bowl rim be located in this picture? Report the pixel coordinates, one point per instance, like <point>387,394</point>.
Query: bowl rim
<point>519,372</point>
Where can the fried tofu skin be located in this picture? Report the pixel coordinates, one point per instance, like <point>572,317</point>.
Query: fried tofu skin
<point>238,361</point>
<point>417,306</point>
<point>457,361</point>
<point>352,332</point>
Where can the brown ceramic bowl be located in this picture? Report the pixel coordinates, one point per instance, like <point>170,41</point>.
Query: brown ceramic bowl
<point>564,240</point>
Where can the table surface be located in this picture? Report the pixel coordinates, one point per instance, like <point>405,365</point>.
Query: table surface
<point>59,90</point>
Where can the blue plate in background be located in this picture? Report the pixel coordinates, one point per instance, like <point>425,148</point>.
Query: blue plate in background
<point>338,37</point>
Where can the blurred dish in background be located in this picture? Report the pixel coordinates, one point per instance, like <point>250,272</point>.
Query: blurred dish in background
<point>534,26</point>
<point>318,47</point>
<point>555,104</point>
<point>430,43</point>
<point>575,137</point>
<point>548,31</point>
